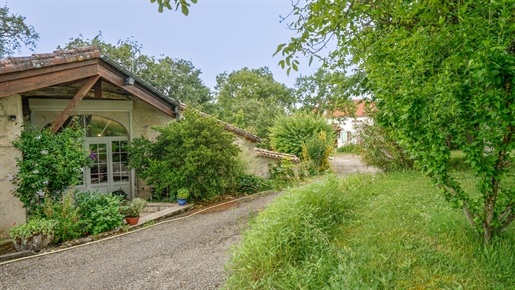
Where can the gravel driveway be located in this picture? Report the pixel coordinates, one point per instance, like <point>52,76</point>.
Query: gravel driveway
<point>186,254</point>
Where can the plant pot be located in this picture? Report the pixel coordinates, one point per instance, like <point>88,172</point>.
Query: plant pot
<point>132,220</point>
<point>34,243</point>
<point>181,201</point>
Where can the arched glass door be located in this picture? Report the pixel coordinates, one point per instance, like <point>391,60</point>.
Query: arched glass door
<point>106,141</point>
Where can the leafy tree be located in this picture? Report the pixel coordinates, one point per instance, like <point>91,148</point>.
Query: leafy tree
<point>320,91</point>
<point>14,33</point>
<point>184,4</point>
<point>177,78</point>
<point>290,133</point>
<point>251,98</point>
<point>196,153</point>
<point>435,69</point>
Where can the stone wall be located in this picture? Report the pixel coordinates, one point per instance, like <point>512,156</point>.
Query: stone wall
<point>255,164</point>
<point>11,209</point>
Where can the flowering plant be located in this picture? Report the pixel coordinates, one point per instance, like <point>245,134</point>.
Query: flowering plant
<point>50,164</point>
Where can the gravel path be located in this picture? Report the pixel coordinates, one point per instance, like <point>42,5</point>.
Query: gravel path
<point>186,254</point>
<point>350,164</point>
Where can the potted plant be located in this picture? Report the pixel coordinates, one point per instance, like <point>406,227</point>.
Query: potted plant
<point>33,235</point>
<point>182,196</point>
<point>133,209</point>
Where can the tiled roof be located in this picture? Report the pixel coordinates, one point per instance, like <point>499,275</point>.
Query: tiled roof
<point>39,60</point>
<point>360,110</point>
<point>276,155</point>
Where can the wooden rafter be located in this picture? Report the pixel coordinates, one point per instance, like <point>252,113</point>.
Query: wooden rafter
<point>34,82</point>
<point>74,102</point>
<point>135,90</point>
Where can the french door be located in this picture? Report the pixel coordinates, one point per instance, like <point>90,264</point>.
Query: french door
<point>109,171</point>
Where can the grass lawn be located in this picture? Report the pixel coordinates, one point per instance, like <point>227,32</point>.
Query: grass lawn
<point>386,232</point>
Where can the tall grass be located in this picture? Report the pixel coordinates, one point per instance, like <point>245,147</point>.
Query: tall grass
<point>393,233</point>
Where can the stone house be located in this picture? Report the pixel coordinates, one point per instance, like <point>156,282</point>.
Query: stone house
<point>84,87</point>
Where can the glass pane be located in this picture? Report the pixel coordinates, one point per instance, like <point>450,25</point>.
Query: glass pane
<point>101,127</point>
<point>116,157</point>
<point>125,176</point>
<point>102,158</point>
<point>123,157</point>
<point>116,167</point>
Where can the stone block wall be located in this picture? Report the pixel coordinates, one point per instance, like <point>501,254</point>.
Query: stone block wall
<point>11,209</point>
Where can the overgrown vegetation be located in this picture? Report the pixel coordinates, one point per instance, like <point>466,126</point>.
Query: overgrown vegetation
<point>390,231</point>
<point>50,164</point>
<point>306,135</point>
<point>196,153</point>
<point>380,148</point>
<point>434,69</point>
<point>100,212</point>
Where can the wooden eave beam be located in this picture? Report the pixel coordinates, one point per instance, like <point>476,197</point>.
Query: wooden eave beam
<point>119,81</point>
<point>65,114</point>
<point>31,80</point>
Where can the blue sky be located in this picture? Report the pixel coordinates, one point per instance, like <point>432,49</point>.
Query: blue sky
<point>217,36</point>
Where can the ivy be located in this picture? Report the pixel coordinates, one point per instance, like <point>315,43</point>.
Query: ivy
<point>50,164</point>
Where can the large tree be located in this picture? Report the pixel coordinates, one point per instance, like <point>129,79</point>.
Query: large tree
<point>320,91</point>
<point>14,33</point>
<point>177,78</point>
<point>435,69</point>
<point>251,98</point>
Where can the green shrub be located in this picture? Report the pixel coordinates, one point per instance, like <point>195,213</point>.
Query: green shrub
<point>315,152</point>
<point>50,164</point>
<point>249,184</point>
<point>69,224</point>
<point>350,148</point>
<point>380,149</point>
<point>195,153</point>
<point>283,173</point>
<point>289,133</point>
<point>100,212</point>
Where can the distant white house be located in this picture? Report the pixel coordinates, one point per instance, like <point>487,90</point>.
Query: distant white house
<point>345,123</point>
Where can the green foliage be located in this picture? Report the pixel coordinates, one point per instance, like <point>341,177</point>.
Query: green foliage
<point>133,208</point>
<point>69,225</point>
<point>175,77</point>
<point>350,148</point>
<point>31,228</point>
<point>50,164</point>
<point>250,99</point>
<point>183,193</point>
<point>183,4</point>
<point>100,212</point>
<point>435,69</point>
<point>14,33</point>
<point>289,133</point>
<point>249,184</point>
<point>195,153</point>
<point>283,173</point>
<point>380,148</point>
<point>322,91</point>
<point>291,238</point>
<point>316,151</point>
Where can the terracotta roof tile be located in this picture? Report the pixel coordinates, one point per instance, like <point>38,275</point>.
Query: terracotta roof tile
<point>276,155</point>
<point>38,60</point>
<point>360,110</point>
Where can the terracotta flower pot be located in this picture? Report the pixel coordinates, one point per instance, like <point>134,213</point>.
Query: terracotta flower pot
<point>132,220</point>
